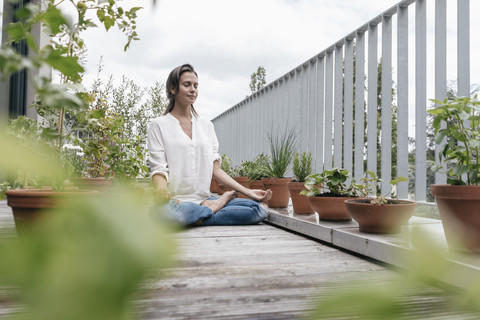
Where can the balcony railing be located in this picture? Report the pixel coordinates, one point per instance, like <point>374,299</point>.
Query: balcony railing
<point>320,97</point>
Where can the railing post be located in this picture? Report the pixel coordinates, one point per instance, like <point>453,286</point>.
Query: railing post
<point>348,106</point>
<point>337,107</point>
<point>372,98</point>
<point>463,20</point>
<point>359,104</point>
<point>328,109</point>
<point>402,99</point>
<point>386,125</point>
<point>320,115</point>
<point>420,100</point>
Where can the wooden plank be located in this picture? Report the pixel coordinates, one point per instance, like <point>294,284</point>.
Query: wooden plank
<point>272,274</point>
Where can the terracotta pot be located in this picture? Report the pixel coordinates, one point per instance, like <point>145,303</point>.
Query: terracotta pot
<point>244,182</point>
<point>223,188</point>
<point>28,204</point>
<point>330,208</point>
<point>256,184</point>
<point>214,186</point>
<point>280,194</point>
<point>375,218</point>
<point>99,184</point>
<point>300,203</point>
<point>459,208</point>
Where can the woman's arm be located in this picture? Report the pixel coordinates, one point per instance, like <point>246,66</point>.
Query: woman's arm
<point>160,188</point>
<point>222,177</point>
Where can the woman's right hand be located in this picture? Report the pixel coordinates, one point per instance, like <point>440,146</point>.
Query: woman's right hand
<point>162,196</point>
<point>260,195</point>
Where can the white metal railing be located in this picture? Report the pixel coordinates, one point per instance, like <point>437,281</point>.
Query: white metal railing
<point>319,98</point>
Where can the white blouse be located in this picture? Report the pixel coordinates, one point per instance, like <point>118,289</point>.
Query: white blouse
<point>186,163</point>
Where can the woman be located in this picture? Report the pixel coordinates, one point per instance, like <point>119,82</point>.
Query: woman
<point>184,157</point>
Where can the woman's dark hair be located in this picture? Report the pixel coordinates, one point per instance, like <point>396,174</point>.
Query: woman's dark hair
<point>173,82</point>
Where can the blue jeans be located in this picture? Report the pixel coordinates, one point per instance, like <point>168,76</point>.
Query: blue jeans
<point>236,212</point>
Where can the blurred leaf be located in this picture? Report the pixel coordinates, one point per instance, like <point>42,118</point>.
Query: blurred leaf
<point>54,19</point>
<point>85,261</point>
<point>59,96</point>
<point>18,156</point>
<point>68,66</point>
<point>16,31</point>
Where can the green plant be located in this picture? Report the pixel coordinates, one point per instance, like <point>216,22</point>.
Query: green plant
<point>371,185</point>
<point>257,168</point>
<point>74,155</point>
<point>282,149</point>
<point>461,133</point>
<point>302,166</point>
<point>226,164</point>
<point>29,136</point>
<point>112,131</point>
<point>330,183</point>
<point>126,156</point>
<point>4,186</point>
<point>242,169</point>
<point>56,102</point>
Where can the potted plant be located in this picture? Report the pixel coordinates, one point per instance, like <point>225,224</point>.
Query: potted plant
<point>457,124</point>
<point>226,166</point>
<point>282,149</point>
<point>256,170</point>
<point>379,214</point>
<point>302,168</point>
<point>327,192</point>
<point>240,174</point>
<point>54,102</point>
<point>94,135</point>
<point>39,185</point>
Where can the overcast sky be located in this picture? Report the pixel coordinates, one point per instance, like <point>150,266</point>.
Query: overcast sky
<point>227,40</point>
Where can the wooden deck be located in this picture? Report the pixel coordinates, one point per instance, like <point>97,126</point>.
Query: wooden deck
<point>263,272</point>
<point>260,272</point>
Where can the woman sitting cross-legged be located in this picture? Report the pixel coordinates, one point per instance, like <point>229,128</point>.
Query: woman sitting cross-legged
<point>183,158</point>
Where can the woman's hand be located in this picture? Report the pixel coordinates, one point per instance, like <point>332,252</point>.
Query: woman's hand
<point>162,195</point>
<point>260,195</point>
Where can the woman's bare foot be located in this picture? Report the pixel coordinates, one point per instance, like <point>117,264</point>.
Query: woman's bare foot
<point>221,202</point>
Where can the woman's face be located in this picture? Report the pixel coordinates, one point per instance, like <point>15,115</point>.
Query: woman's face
<point>187,89</point>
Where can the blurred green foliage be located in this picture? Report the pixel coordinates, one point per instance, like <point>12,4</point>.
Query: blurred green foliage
<point>427,263</point>
<point>85,260</point>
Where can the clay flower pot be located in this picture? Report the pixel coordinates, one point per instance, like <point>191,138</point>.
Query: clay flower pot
<point>244,182</point>
<point>100,184</point>
<point>300,203</point>
<point>376,218</point>
<point>214,186</point>
<point>330,208</point>
<point>280,194</point>
<point>459,208</point>
<point>28,204</point>
<point>256,184</point>
<point>223,188</point>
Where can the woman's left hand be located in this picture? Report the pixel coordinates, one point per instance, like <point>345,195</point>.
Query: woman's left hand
<point>260,195</point>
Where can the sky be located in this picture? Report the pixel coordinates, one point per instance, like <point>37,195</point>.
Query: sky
<point>227,40</point>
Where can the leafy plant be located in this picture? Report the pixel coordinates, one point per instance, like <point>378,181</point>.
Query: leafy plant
<point>254,170</point>
<point>242,169</point>
<point>226,164</point>
<point>371,185</point>
<point>302,166</point>
<point>330,183</point>
<point>112,131</point>
<point>282,149</point>
<point>29,136</point>
<point>461,133</point>
<point>56,102</point>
